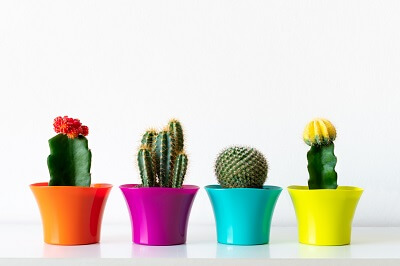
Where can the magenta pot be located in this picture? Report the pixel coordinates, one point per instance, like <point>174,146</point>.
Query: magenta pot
<point>159,216</point>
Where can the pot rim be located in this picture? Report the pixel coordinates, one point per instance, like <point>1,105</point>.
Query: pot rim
<point>45,185</point>
<point>138,187</point>
<point>265,187</point>
<point>339,188</point>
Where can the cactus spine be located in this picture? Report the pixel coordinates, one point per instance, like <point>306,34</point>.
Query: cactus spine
<point>241,167</point>
<point>320,134</point>
<point>165,152</point>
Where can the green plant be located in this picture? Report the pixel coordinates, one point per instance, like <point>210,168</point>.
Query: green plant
<point>161,158</point>
<point>320,134</point>
<point>241,167</point>
<point>70,158</point>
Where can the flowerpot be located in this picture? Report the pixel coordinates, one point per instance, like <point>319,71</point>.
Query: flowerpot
<point>243,215</point>
<point>71,215</point>
<point>324,216</point>
<point>159,216</point>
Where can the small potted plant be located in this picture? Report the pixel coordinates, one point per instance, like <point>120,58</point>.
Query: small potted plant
<point>242,205</point>
<point>323,209</point>
<point>160,206</point>
<point>71,208</point>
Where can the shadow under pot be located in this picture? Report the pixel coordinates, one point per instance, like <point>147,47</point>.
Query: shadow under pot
<point>71,215</point>
<point>243,215</point>
<point>324,216</point>
<point>159,215</point>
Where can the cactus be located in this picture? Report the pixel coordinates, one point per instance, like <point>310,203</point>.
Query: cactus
<point>179,170</point>
<point>70,158</point>
<point>175,129</point>
<point>149,138</point>
<point>165,152</point>
<point>320,134</point>
<point>241,167</point>
<point>145,163</point>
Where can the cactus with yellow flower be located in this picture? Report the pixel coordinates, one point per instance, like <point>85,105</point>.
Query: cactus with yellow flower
<point>320,134</point>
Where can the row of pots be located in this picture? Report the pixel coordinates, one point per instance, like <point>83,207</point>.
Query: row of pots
<point>159,216</point>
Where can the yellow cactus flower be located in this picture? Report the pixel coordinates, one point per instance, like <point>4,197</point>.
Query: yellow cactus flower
<point>319,131</point>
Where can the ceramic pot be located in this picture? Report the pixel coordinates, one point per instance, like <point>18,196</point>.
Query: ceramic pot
<point>71,215</point>
<point>324,216</point>
<point>159,216</point>
<point>243,215</point>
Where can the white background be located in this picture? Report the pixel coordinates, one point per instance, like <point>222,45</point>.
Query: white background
<point>248,72</point>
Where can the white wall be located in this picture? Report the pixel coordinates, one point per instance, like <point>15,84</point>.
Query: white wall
<point>234,72</point>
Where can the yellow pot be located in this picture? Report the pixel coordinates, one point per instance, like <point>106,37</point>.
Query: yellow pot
<point>324,216</point>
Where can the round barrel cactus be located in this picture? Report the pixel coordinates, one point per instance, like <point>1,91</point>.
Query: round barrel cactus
<point>241,167</point>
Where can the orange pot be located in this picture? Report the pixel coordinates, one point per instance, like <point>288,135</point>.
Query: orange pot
<point>71,215</point>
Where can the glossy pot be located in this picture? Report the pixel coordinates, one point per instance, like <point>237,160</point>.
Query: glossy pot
<point>159,216</point>
<point>243,215</point>
<point>71,215</point>
<point>324,216</point>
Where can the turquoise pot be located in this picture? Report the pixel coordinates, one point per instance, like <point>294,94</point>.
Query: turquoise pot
<point>243,215</point>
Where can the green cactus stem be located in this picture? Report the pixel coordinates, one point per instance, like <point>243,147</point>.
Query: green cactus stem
<point>179,170</point>
<point>149,138</point>
<point>145,164</point>
<point>69,161</point>
<point>241,167</point>
<point>321,167</point>
<point>163,153</point>
<point>175,129</point>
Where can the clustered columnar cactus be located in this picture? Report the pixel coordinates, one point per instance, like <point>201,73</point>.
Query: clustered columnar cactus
<point>320,134</point>
<point>241,167</point>
<point>70,158</point>
<point>161,159</point>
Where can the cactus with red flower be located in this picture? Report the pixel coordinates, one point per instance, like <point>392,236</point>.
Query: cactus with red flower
<point>70,158</point>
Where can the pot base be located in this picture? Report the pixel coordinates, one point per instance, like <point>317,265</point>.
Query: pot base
<point>324,216</point>
<point>243,215</point>
<point>71,215</point>
<point>159,216</point>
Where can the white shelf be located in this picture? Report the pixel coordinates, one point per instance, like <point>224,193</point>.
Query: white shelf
<point>22,244</point>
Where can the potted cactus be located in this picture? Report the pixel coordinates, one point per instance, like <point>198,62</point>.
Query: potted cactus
<point>71,208</point>
<point>160,206</point>
<point>242,204</point>
<point>323,209</point>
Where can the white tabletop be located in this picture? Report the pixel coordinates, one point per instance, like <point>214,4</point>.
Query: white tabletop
<point>25,241</point>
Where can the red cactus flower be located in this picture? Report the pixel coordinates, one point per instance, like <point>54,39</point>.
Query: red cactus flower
<point>84,130</point>
<point>70,127</point>
<point>73,133</point>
